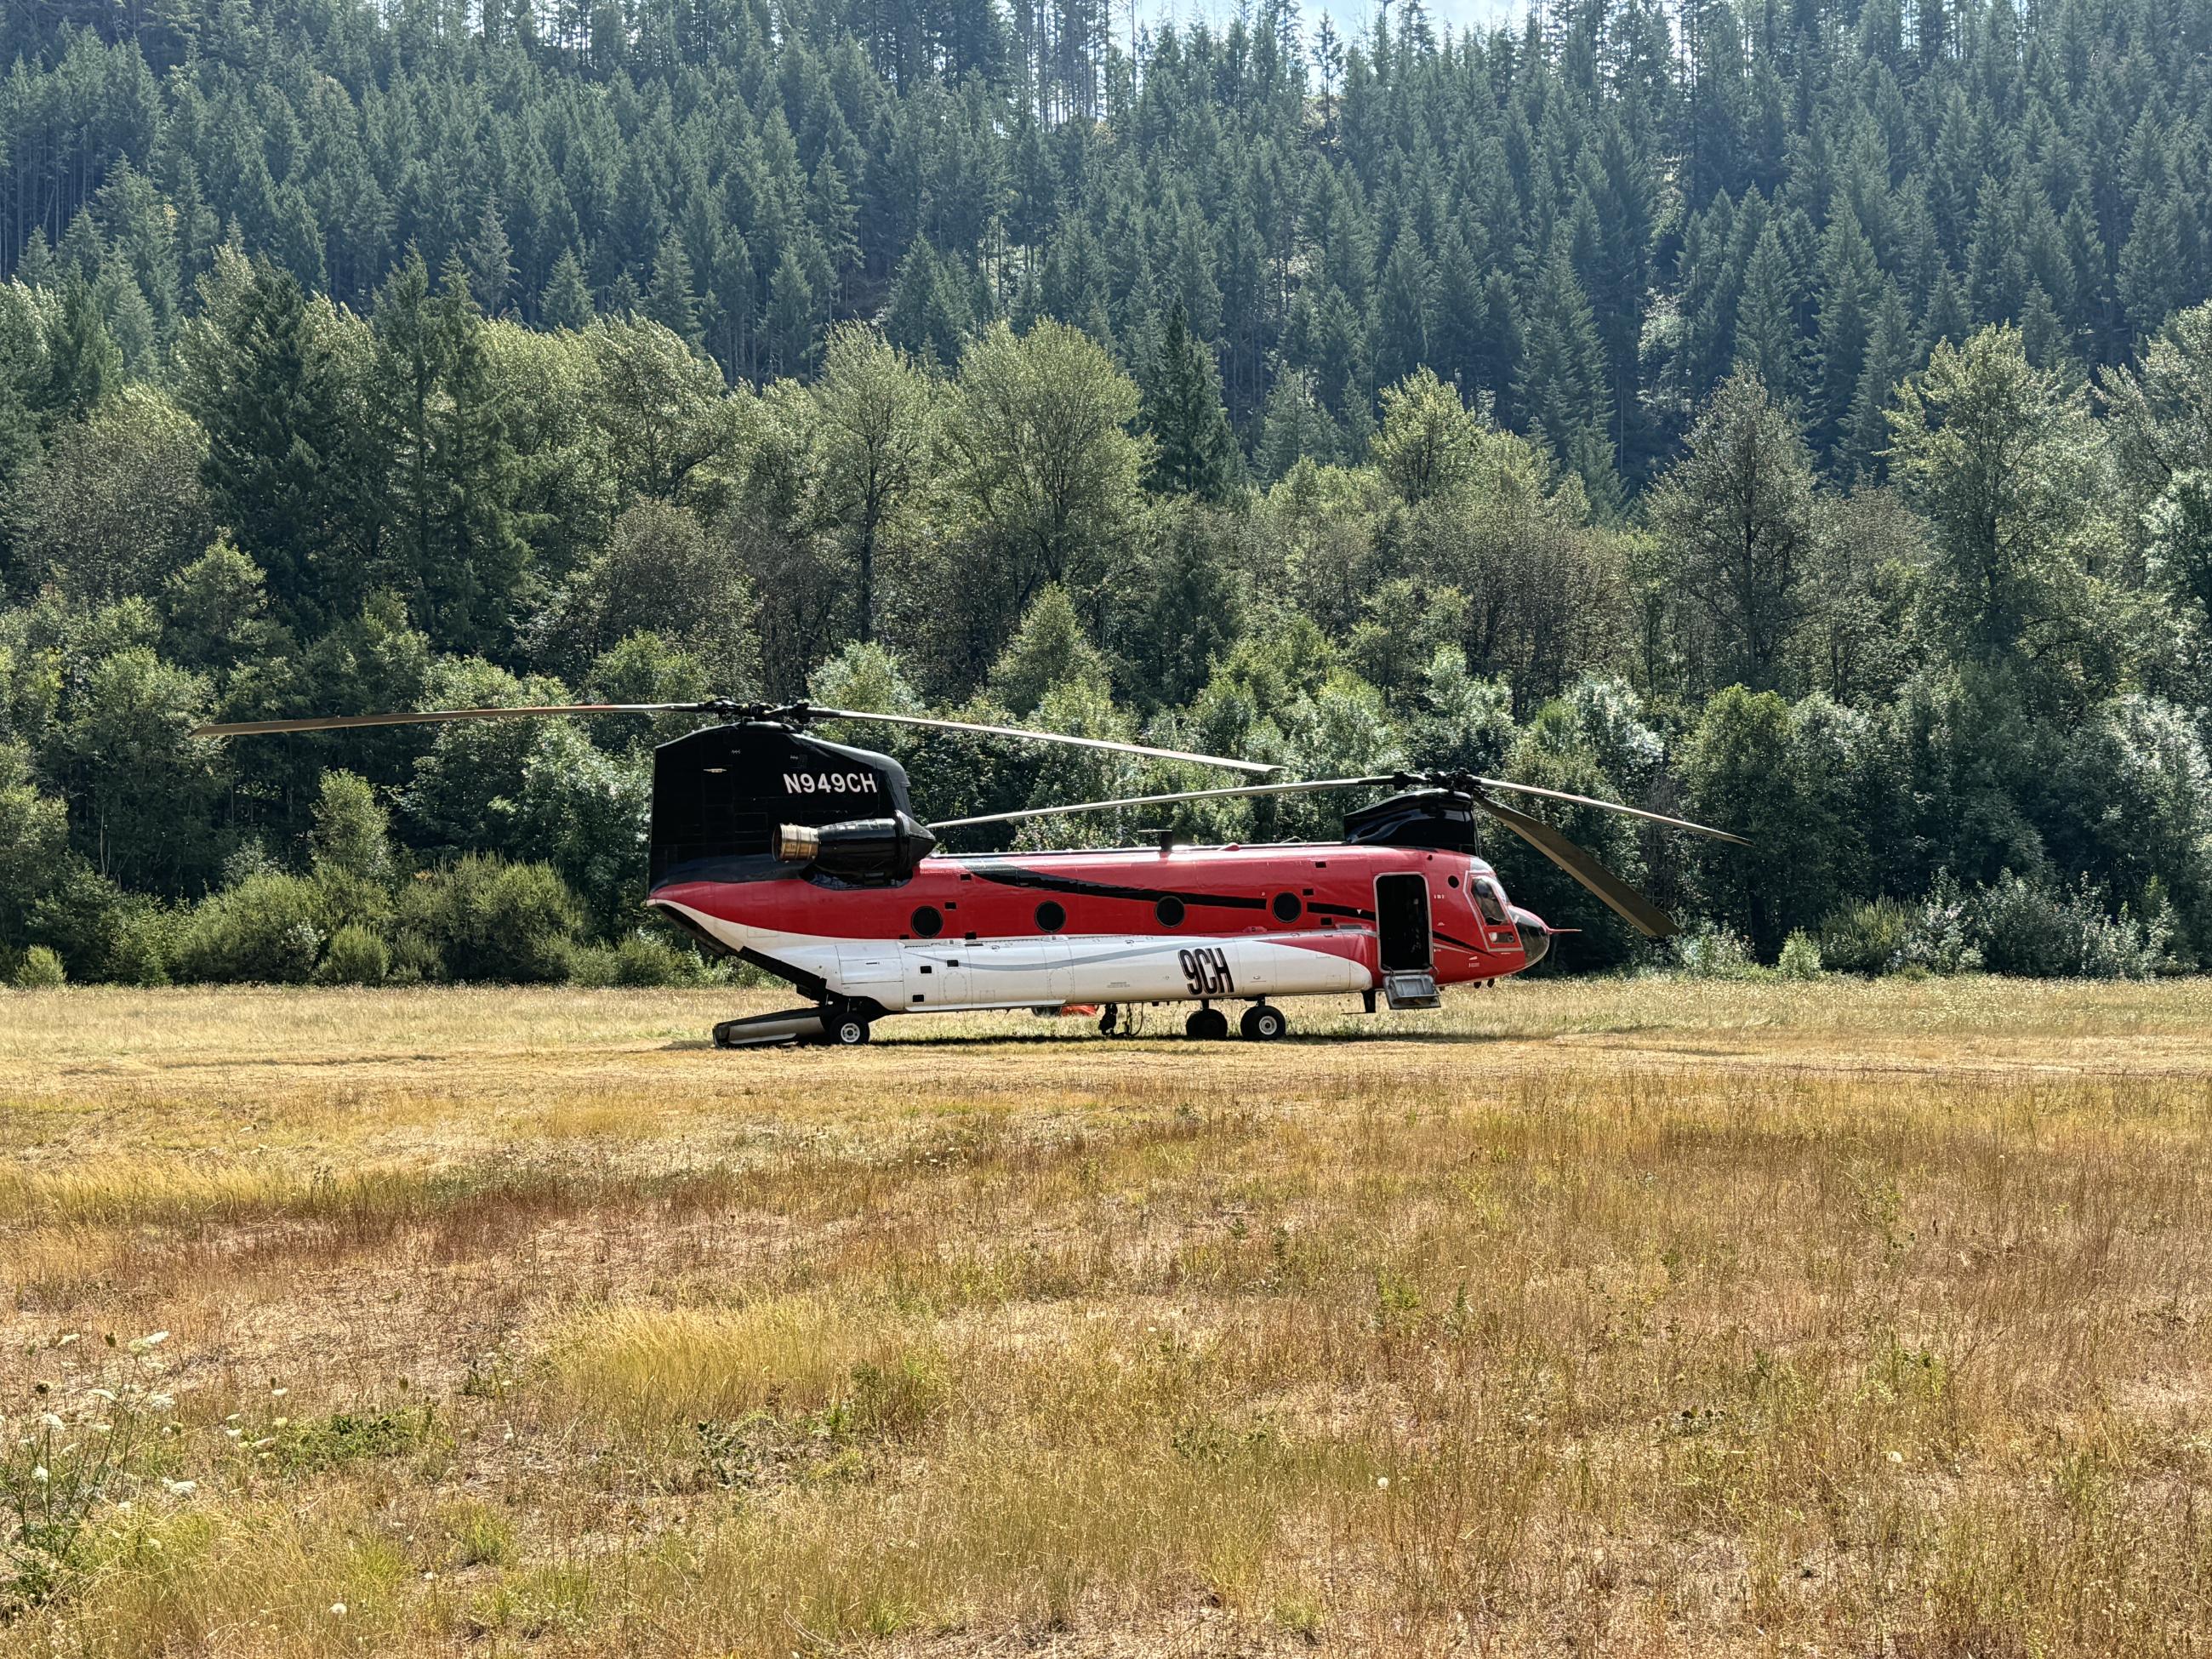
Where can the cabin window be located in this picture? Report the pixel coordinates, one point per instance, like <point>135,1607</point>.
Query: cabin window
<point>927,921</point>
<point>1050,917</point>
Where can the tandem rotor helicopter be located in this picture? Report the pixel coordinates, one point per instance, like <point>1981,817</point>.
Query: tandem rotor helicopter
<point>804,857</point>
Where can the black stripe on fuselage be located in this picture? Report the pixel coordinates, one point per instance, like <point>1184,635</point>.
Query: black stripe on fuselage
<point>1012,875</point>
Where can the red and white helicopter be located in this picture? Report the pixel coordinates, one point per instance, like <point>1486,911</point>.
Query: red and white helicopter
<point>804,857</point>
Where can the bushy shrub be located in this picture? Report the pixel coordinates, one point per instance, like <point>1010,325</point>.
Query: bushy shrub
<point>2033,929</point>
<point>1865,938</point>
<point>1712,953</point>
<point>1940,938</point>
<point>416,958</point>
<point>1800,958</point>
<point>356,956</point>
<point>147,941</point>
<point>645,960</point>
<point>267,930</point>
<point>491,920</point>
<point>40,969</point>
<point>86,919</point>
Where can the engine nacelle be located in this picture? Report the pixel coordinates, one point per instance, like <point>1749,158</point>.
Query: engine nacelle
<point>859,849</point>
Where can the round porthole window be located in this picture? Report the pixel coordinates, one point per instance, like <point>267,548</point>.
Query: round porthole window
<point>928,921</point>
<point>1169,911</point>
<point>1287,906</point>
<point>1050,917</point>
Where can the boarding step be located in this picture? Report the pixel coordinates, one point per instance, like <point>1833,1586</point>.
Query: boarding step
<point>1411,990</point>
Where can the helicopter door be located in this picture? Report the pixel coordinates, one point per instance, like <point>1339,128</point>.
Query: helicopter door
<point>1402,923</point>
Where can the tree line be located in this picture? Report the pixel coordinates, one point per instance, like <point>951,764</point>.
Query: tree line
<point>1799,418</point>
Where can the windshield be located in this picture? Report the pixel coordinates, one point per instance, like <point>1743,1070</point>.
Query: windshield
<point>1490,899</point>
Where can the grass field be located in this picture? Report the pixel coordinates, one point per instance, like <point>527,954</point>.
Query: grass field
<point>1641,1318</point>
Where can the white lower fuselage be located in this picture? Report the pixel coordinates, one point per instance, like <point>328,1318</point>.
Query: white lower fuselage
<point>919,975</point>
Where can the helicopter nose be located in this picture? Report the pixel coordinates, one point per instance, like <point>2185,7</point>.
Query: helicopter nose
<point>1535,935</point>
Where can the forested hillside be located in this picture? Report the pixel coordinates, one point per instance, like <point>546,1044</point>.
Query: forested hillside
<point>1797,415</point>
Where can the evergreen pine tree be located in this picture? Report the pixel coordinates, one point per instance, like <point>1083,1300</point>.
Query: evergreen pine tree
<point>1194,452</point>
<point>1293,426</point>
<point>928,314</point>
<point>1560,387</point>
<point>1405,311</point>
<point>265,391</point>
<point>790,317</point>
<point>566,302</point>
<point>1946,313</point>
<point>1890,356</point>
<point>671,301</point>
<point>81,363</point>
<point>1848,275</point>
<point>491,263</point>
<point>1766,328</point>
<point>35,269</point>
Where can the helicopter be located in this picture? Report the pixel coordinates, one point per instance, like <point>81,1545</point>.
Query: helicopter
<point>804,857</point>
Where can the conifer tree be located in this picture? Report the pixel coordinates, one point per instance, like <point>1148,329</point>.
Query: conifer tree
<point>1766,338</point>
<point>671,301</point>
<point>1406,309</point>
<point>567,302</point>
<point>1560,387</point>
<point>1848,275</point>
<point>791,303</point>
<point>928,314</point>
<point>1293,426</point>
<point>1946,313</point>
<point>491,263</point>
<point>1890,356</point>
<point>1194,452</point>
<point>82,361</point>
<point>268,394</point>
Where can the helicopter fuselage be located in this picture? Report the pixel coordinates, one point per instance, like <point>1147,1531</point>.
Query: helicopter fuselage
<point>1126,926</point>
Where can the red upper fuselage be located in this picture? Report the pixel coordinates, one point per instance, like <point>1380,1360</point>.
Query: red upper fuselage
<point>1317,897</point>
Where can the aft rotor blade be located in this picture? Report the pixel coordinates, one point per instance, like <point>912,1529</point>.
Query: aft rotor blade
<point>1309,786</point>
<point>1637,911</point>
<point>438,716</point>
<point>815,711</point>
<point>1611,806</point>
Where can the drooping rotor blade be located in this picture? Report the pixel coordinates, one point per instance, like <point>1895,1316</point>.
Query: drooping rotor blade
<point>1637,911</point>
<point>1309,786</point>
<point>1610,806</point>
<point>815,711</point>
<point>436,716</point>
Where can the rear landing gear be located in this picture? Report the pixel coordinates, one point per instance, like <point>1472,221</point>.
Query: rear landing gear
<point>1263,1024</point>
<point>1207,1025</point>
<point>848,1031</point>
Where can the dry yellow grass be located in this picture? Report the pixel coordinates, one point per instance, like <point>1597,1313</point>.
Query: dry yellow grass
<point>1646,1318</point>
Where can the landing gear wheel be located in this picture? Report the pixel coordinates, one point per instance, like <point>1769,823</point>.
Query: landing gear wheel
<point>846,1031</point>
<point>1262,1023</point>
<point>1207,1025</point>
<point>1109,1019</point>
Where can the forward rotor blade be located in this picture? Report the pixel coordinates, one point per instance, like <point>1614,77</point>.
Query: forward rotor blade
<point>1611,806</point>
<point>1637,911</point>
<point>1309,787</point>
<point>438,716</point>
<point>815,711</point>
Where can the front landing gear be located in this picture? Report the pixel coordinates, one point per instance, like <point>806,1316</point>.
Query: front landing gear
<point>1263,1024</point>
<point>1207,1025</point>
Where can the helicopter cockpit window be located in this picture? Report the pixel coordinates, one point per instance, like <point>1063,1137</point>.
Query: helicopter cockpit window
<point>1491,898</point>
